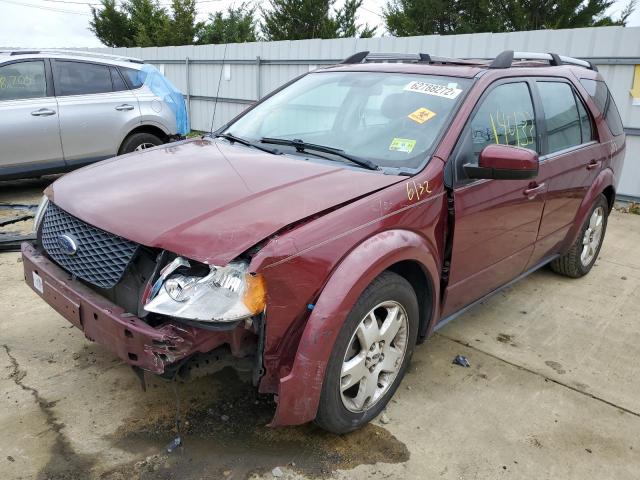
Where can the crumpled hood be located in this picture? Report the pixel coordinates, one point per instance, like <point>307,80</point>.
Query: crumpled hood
<point>206,200</point>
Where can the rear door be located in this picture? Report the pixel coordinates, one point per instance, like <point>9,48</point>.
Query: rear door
<point>97,109</point>
<point>571,160</point>
<point>29,133</point>
<point>496,221</point>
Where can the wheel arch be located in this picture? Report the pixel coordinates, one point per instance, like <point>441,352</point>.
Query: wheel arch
<point>147,128</point>
<point>610,193</point>
<point>415,273</point>
<point>402,251</point>
<point>604,184</point>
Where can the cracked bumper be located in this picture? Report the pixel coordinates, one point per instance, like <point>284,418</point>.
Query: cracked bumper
<point>130,338</point>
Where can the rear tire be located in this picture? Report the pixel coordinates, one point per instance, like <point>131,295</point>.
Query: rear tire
<point>580,258</point>
<point>138,142</point>
<point>360,380</point>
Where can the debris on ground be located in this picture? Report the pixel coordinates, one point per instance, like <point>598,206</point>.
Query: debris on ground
<point>277,472</point>
<point>631,207</point>
<point>384,418</point>
<point>462,361</point>
<point>175,443</point>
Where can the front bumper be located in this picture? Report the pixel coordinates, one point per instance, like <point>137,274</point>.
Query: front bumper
<point>129,337</point>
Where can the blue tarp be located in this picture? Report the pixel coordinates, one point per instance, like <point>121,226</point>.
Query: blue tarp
<point>164,89</point>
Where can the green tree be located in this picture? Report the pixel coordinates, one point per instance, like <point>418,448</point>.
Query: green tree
<point>184,27</point>
<point>302,19</point>
<point>112,26</point>
<point>546,14</point>
<point>150,21</point>
<point>237,26</point>
<point>145,23</point>
<point>345,22</point>
<point>425,17</point>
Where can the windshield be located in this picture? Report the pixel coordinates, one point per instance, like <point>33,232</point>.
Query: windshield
<point>391,119</point>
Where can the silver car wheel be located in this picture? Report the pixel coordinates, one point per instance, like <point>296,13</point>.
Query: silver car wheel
<point>144,146</point>
<point>592,236</point>
<point>374,356</point>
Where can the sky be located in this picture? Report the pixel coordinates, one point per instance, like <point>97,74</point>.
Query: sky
<point>65,23</point>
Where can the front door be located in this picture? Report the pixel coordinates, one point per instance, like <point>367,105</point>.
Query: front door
<point>29,134</point>
<point>496,221</point>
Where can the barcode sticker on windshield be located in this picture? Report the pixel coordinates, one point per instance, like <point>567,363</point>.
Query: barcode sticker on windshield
<point>433,89</point>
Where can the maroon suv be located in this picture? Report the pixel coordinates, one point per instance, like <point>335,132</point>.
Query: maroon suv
<point>328,229</point>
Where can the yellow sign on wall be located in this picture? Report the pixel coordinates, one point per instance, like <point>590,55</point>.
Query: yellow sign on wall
<point>635,89</point>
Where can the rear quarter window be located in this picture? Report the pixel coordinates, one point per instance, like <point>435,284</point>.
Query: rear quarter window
<point>134,78</point>
<point>603,99</point>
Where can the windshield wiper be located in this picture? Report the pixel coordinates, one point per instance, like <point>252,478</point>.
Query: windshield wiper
<point>242,141</point>
<point>301,146</point>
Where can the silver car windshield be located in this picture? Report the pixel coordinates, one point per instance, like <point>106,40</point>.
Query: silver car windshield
<point>391,119</point>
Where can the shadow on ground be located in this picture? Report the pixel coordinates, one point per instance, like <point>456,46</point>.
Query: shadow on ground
<point>225,437</point>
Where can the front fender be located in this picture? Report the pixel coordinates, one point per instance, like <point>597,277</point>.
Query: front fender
<point>604,179</point>
<point>299,392</point>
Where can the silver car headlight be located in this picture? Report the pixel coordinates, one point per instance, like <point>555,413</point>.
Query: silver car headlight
<point>224,294</point>
<point>39,216</point>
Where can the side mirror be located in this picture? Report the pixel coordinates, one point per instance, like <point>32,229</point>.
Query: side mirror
<point>504,162</point>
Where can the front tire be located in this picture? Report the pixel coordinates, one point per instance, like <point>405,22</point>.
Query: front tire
<point>579,260</point>
<point>138,142</point>
<point>370,356</point>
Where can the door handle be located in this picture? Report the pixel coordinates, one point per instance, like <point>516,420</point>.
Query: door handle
<point>43,112</point>
<point>534,190</point>
<point>593,164</point>
<point>124,107</point>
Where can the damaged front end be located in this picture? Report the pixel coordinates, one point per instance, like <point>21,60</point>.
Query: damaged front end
<point>153,309</point>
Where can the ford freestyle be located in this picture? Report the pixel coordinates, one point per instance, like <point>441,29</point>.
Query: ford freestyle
<point>331,227</point>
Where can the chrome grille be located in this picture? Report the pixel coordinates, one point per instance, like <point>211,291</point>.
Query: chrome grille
<point>101,258</point>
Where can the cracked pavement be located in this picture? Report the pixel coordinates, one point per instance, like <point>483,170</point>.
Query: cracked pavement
<point>551,393</point>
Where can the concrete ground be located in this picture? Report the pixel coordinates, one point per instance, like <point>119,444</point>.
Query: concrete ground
<point>552,393</point>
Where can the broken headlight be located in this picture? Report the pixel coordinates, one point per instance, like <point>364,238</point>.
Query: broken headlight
<point>224,294</point>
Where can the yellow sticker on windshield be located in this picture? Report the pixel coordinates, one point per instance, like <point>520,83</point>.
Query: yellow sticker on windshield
<point>422,115</point>
<point>404,145</point>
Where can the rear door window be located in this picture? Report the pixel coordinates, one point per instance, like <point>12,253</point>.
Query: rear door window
<point>117,81</point>
<point>585,122</point>
<point>603,99</point>
<point>560,116</point>
<point>23,80</point>
<point>81,78</point>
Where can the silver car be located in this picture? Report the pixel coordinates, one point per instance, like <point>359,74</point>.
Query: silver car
<point>60,110</point>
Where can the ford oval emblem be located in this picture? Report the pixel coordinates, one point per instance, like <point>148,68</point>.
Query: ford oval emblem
<point>68,244</point>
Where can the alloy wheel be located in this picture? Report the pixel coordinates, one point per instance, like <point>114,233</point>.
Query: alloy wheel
<point>592,236</point>
<point>374,356</point>
<point>144,146</point>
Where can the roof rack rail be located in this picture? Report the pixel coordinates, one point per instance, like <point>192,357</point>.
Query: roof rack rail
<point>506,58</point>
<point>503,60</point>
<point>364,57</point>
<point>80,53</point>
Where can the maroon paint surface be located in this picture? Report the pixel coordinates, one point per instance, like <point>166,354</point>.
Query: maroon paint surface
<point>508,158</point>
<point>210,201</point>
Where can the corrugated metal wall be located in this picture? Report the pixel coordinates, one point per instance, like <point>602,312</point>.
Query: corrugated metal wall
<point>254,69</point>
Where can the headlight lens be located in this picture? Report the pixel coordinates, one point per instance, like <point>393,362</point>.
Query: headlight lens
<point>225,294</point>
<point>39,216</point>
